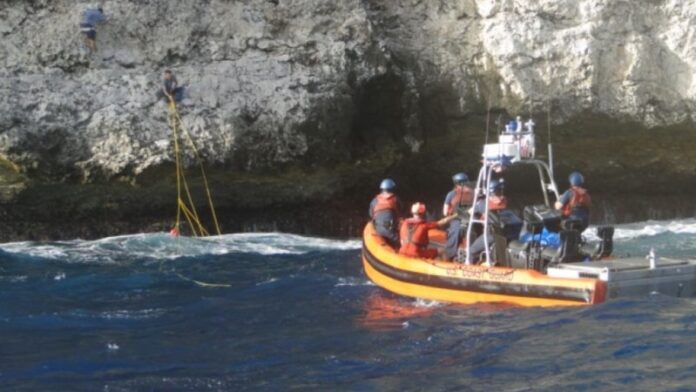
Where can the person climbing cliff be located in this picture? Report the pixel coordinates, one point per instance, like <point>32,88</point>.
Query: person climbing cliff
<point>88,25</point>
<point>170,90</point>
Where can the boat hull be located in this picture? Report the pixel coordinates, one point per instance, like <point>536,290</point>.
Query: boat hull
<point>468,284</point>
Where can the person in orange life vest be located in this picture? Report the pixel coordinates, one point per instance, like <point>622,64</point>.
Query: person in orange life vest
<point>575,202</point>
<point>460,197</point>
<point>496,201</point>
<point>384,212</point>
<point>414,233</point>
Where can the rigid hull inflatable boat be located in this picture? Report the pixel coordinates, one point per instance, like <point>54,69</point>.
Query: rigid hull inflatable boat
<point>461,283</point>
<point>565,284</point>
<point>526,272</point>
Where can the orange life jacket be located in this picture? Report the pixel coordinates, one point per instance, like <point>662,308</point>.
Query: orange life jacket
<point>494,203</point>
<point>497,203</point>
<point>413,231</point>
<point>580,198</point>
<point>463,195</point>
<point>385,201</point>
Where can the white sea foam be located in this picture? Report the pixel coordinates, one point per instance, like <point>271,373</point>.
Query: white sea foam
<point>426,303</point>
<point>159,246</point>
<point>271,280</point>
<point>139,314</point>
<point>648,229</point>
<point>14,278</point>
<point>353,282</point>
<point>163,246</point>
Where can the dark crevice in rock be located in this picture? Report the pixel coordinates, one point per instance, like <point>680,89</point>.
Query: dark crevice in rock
<point>378,117</point>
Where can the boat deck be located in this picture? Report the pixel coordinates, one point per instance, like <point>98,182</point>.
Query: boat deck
<point>634,276</point>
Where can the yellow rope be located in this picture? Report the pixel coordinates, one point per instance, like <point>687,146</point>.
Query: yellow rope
<point>189,217</point>
<point>205,177</point>
<point>193,212</point>
<point>189,210</point>
<point>178,164</point>
<point>189,213</point>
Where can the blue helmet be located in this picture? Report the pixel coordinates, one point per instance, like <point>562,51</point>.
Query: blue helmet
<point>387,184</point>
<point>505,161</point>
<point>576,179</point>
<point>495,185</point>
<point>459,178</point>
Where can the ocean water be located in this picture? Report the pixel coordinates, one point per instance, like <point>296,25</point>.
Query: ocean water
<point>283,312</point>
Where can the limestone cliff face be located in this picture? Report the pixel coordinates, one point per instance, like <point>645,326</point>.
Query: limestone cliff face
<point>261,78</point>
<point>626,59</point>
<point>315,85</point>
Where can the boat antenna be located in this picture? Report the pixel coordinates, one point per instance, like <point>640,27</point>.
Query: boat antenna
<point>548,130</point>
<point>488,117</point>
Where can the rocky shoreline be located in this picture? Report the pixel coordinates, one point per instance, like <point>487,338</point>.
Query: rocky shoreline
<point>300,107</point>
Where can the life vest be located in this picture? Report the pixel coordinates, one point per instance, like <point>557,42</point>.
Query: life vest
<point>410,233</point>
<point>385,201</point>
<point>463,195</point>
<point>580,198</point>
<point>497,203</point>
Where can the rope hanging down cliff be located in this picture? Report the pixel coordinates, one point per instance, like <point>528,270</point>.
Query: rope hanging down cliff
<point>186,207</point>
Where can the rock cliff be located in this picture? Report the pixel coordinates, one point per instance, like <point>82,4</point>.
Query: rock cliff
<point>306,101</point>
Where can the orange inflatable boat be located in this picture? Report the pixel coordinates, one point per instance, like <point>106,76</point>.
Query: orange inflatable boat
<point>459,283</point>
<point>518,267</point>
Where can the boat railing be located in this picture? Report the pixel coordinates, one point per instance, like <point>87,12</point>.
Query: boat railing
<point>516,148</point>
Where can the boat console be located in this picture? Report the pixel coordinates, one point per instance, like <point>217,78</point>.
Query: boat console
<point>543,237</point>
<point>507,224</point>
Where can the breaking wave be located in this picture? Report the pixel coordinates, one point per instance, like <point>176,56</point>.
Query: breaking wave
<point>158,246</point>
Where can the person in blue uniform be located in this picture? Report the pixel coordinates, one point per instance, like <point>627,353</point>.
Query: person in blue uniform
<point>88,26</point>
<point>458,199</point>
<point>171,90</point>
<point>496,201</point>
<point>575,202</point>
<point>384,211</point>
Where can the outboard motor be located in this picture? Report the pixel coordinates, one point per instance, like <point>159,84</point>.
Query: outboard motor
<point>569,251</point>
<point>606,233</point>
<point>604,247</point>
<point>541,214</point>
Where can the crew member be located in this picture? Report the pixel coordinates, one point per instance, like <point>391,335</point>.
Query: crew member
<point>575,202</point>
<point>496,201</point>
<point>88,25</point>
<point>460,198</point>
<point>414,233</point>
<point>384,211</point>
<point>170,90</point>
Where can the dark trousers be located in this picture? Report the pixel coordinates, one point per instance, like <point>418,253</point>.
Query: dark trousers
<point>386,230</point>
<point>178,94</point>
<point>454,236</point>
<point>479,246</point>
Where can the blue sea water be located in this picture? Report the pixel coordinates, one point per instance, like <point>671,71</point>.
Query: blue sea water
<point>298,313</point>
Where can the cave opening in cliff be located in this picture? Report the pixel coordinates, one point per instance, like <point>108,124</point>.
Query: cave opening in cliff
<point>378,118</point>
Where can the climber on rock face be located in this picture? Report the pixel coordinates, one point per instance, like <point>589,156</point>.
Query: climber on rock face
<point>90,18</point>
<point>170,88</point>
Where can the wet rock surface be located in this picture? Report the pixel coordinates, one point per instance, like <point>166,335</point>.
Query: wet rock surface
<point>298,108</point>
